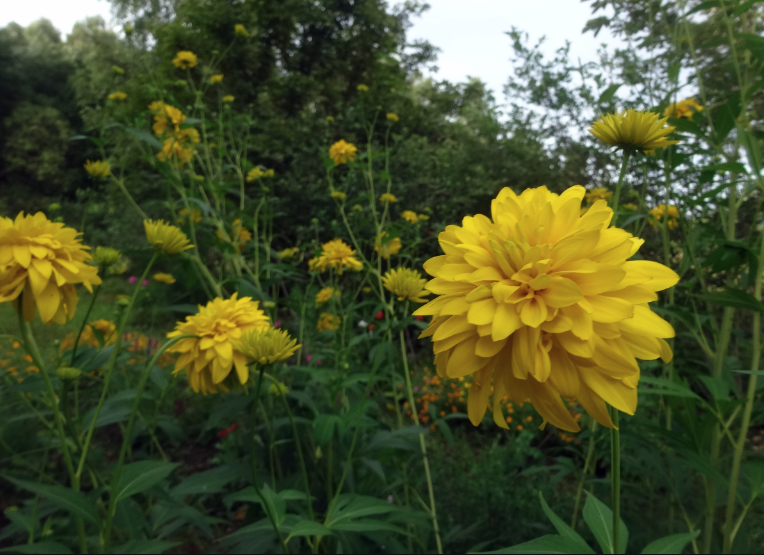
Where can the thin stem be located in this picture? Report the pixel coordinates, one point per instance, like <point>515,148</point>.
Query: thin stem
<point>84,323</point>
<point>587,464</point>
<point>615,477</point>
<point>621,175</point>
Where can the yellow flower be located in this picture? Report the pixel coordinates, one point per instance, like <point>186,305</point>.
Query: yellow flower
<point>255,173</point>
<point>329,119</point>
<point>362,88</point>
<point>117,96</point>
<point>338,195</point>
<point>423,217</point>
<point>185,60</point>
<point>338,255</point>
<point>342,152</point>
<point>178,147</point>
<point>269,173</point>
<point>227,99</point>
<point>407,284</point>
<point>286,254</point>
<point>220,326</point>
<point>366,289</point>
<point>326,294</point>
<point>387,197</point>
<point>387,247</point>
<point>217,78</point>
<point>164,116</point>
<point>196,215</point>
<point>546,304</point>
<point>328,322</point>
<point>120,267</point>
<point>241,236</point>
<point>268,345</point>
<point>44,260</point>
<point>169,279</point>
<point>166,237</point>
<point>240,30</point>
<point>278,390</point>
<point>683,109</point>
<point>98,169</point>
<point>600,193</point>
<point>392,117</point>
<point>633,130</point>
<point>410,216</point>
<point>659,212</point>
<point>630,206</point>
<point>106,256</point>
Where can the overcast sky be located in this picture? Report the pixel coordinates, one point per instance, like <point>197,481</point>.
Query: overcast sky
<point>470,33</point>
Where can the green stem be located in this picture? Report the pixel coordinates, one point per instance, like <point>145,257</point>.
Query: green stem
<point>84,323</point>
<point>621,175</point>
<point>615,477</point>
<point>587,464</point>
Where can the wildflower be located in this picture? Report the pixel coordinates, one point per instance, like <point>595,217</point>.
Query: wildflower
<point>387,197</point>
<point>362,88</point>
<point>267,345</point>
<point>407,284</point>
<point>363,324</point>
<point>599,193</point>
<point>277,324</point>
<point>423,217</point>
<point>54,207</point>
<point>217,78</point>
<point>683,109</point>
<point>106,256</point>
<point>117,70</point>
<point>545,303</point>
<point>342,152</point>
<point>117,96</point>
<point>379,315</point>
<point>226,431</point>
<point>209,358</point>
<point>371,327</point>
<point>178,147</point>
<point>632,130</point>
<point>227,99</point>
<point>166,237</point>
<point>98,169</point>
<point>659,212</point>
<point>240,30</point>
<point>120,266</point>
<point>44,260</point>
<point>366,290</point>
<point>185,60</point>
<point>144,283</point>
<point>196,215</point>
<point>410,216</point>
<point>132,279</point>
<point>387,247</point>
<point>338,255</point>
<point>328,322</point>
<point>338,195</point>
<point>326,294</point>
<point>165,116</point>
<point>391,117</point>
<point>164,278</point>
<point>287,254</point>
<point>329,119</point>
<point>357,208</point>
<point>255,173</point>
<point>278,390</point>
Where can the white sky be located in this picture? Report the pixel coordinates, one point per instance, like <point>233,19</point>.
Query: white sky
<point>470,33</point>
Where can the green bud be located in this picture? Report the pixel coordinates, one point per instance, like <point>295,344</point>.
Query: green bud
<point>118,70</point>
<point>54,207</point>
<point>68,373</point>
<point>128,28</point>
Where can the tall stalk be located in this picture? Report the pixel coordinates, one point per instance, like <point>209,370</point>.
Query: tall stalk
<point>615,478</point>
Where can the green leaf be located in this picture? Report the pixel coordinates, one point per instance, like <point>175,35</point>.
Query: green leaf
<point>608,94</point>
<point>735,167</point>
<point>599,518</point>
<point>751,372</point>
<point>565,531</point>
<point>324,426</point>
<point>670,544</point>
<point>66,498</point>
<point>726,117</point>
<point>41,547</point>
<point>754,43</point>
<point>665,387</point>
<point>734,298</point>
<point>744,7</point>
<point>140,476</point>
<point>144,136</point>
<point>544,544</point>
<point>144,547</point>
<point>309,528</point>
<point>368,525</point>
<point>276,505</point>
<point>704,6</point>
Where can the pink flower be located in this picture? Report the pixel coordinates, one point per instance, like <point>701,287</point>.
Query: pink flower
<point>277,324</point>
<point>145,282</point>
<point>308,358</point>
<point>319,362</point>
<point>132,279</point>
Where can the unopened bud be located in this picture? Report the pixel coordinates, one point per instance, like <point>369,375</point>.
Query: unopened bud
<point>68,373</point>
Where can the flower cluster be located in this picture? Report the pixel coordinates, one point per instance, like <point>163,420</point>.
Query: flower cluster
<point>178,144</point>
<point>386,247</point>
<point>239,236</point>
<point>683,109</point>
<point>659,212</point>
<point>328,322</point>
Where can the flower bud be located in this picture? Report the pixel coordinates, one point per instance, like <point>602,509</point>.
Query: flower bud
<point>67,373</point>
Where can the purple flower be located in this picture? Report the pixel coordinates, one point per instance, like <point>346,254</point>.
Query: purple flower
<point>132,279</point>
<point>277,324</point>
<point>416,388</point>
<point>308,358</point>
<point>145,282</point>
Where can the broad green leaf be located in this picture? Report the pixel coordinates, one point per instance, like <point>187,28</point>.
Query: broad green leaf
<point>544,544</point>
<point>276,505</point>
<point>662,386</point>
<point>707,5</point>
<point>734,298</point>
<point>608,94</point>
<point>727,116</point>
<point>140,476</point>
<point>368,525</point>
<point>734,167</point>
<point>744,7</point>
<point>670,544</point>
<point>144,136</point>
<point>565,531</point>
<point>66,498</point>
<point>309,528</point>
<point>53,548</point>
<point>324,427</point>
<point>599,518</point>
<point>211,481</point>
<point>144,547</point>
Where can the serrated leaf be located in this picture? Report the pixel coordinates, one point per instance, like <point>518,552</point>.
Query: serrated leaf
<point>140,476</point>
<point>670,544</point>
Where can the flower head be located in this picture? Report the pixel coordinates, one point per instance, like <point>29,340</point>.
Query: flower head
<point>166,117</point>
<point>118,96</point>
<point>338,195</point>
<point>278,390</point>
<point>268,345</point>
<point>391,117</point>
<point>326,294</point>
<point>362,88</point>
<point>599,193</point>
<point>98,169</point>
<point>342,152</point>
<point>43,260</point>
<point>632,130</point>
<point>338,255</point>
<point>185,59</point>
<point>228,99</point>
<point>538,302</point>
<point>328,322</point>
<point>659,212</point>
<point>196,215</point>
<point>407,284</point>
<point>387,247</point>
<point>166,237</point>
<point>220,325</point>
<point>240,30</point>
<point>169,279</point>
<point>683,109</point>
<point>106,257</point>
<point>239,236</point>
<point>217,78</point>
<point>410,216</point>
<point>286,254</point>
<point>387,197</point>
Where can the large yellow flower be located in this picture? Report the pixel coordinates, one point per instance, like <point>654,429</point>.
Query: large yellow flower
<point>338,255</point>
<point>185,59</point>
<point>209,358</point>
<point>166,237</point>
<point>633,130</point>
<point>268,345</point>
<point>342,152</point>
<point>407,284</point>
<point>387,247</point>
<point>44,260</point>
<point>326,294</point>
<point>683,109</point>
<point>545,303</point>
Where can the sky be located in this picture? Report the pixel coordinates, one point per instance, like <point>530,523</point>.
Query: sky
<point>470,33</point>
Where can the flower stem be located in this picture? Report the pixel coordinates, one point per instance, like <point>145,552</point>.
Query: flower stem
<point>615,477</point>
<point>617,195</point>
<point>84,323</point>
<point>587,464</point>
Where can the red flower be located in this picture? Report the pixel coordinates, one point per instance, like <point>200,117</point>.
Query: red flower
<point>380,315</point>
<point>371,326</point>
<point>225,431</point>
